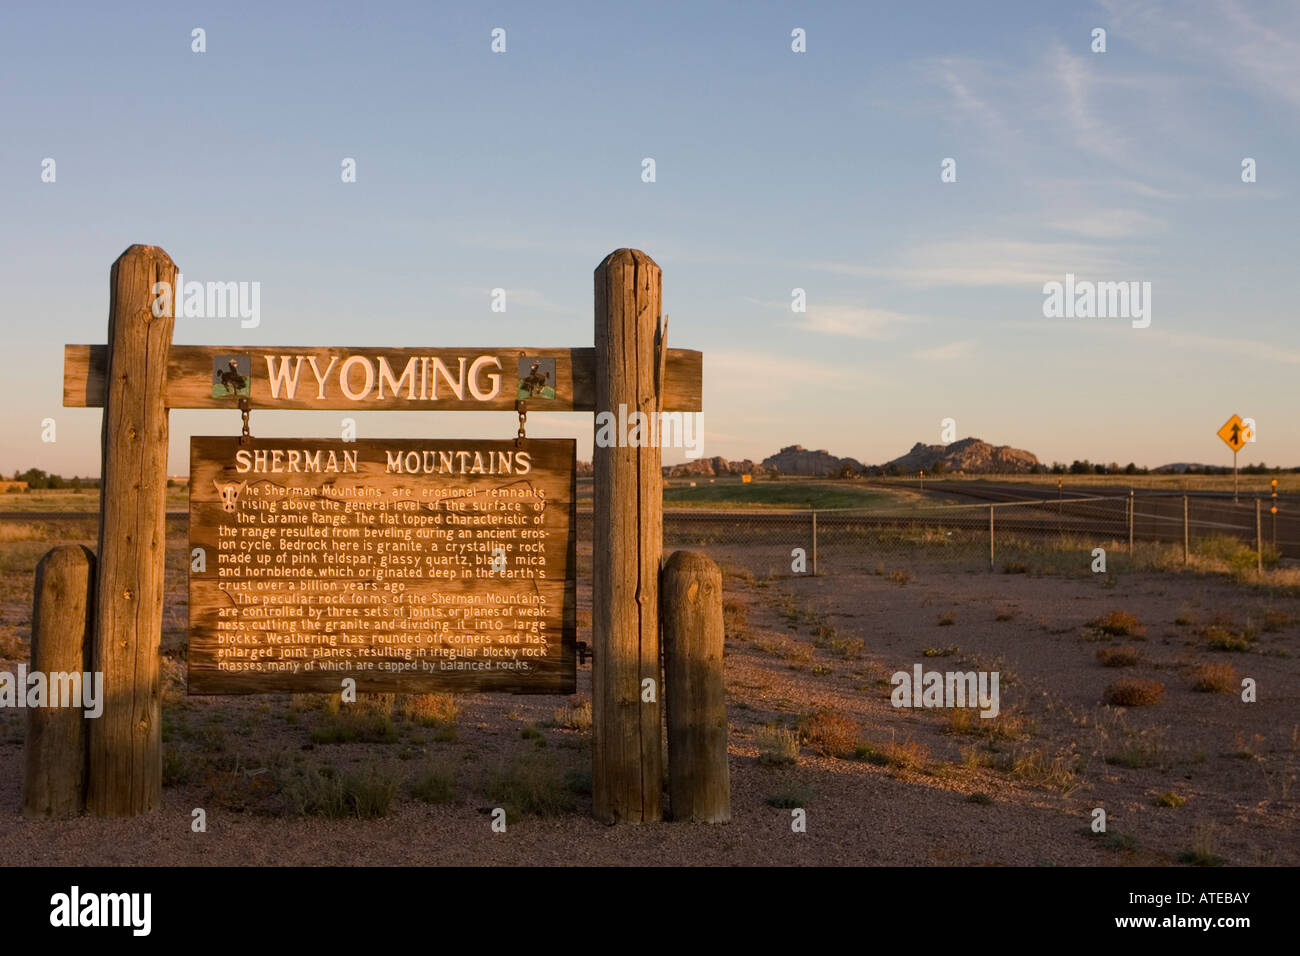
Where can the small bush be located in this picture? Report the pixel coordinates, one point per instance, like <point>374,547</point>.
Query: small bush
<point>777,746</point>
<point>430,710</point>
<point>1119,624</point>
<point>1133,692</point>
<point>1222,639</point>
<point>940,651</point>
<point>1015,567</point>
<point>902,755</point>
<point>983,799</point>
<point>831,734</point>
<point>349,727</point>
<point>1169,799</point>
<point>365,793</point>
<point>531,786</point>
<point>900,577</point>
<point>435,784</point>
<point>575,716</point>
<point>1123,656</point>
<point>1215,679</point>
<point>1276,620</point>
<point>947,618</point>
<point>790,798</point>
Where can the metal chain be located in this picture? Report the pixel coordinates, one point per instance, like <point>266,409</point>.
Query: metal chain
<point>522,408</point>
<point>245,436</point>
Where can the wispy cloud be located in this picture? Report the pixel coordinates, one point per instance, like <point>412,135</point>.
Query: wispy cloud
<point>946,353</point>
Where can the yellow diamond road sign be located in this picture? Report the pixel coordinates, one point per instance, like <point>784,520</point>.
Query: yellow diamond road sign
<point>1234,433</point>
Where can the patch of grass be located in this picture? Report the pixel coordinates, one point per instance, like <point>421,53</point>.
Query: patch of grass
<point>777,746</point>
<point>176,768</point>
<point>434,784</point>
<point>947,618</point>
<point>830,733</point>
<point>1276,620</point>
<point>1123,656</point>
<point>1215,679</point>
<point>1134,692</point>
<point>983,799</point>
<point>352,727</point>
<point>966,721</point>
<point>578,782</point>
<point>1220,638</point>
<point>735,620</point>
<point>574,716</point>
<point>790,798</point>
<point>531,786</point>
<point>1058,771</point>
<point>1005,614</point>
<point>1015,567</point>
<point>940,651</point>
<point>1119,624</point>
<point>364,793</point>
<point>430,710</point>
<point>531,732</point>
<point>1202,851</point>
<point>1119,841</point>
<point>902,755</point>
<point>1169,799</point>
<point>901,577</point>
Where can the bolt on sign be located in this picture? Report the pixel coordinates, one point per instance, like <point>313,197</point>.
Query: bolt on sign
<point>406,565</point>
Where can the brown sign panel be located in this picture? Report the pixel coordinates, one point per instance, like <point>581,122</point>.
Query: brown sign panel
<point>408,565</point>
<point>362,379</point>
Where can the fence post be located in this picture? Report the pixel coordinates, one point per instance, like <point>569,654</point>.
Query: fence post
<point>1130,523</point>
<point>990,537</point>
<point>1187,539</point>
<point>54,783</point>
<point>814,541</point>
<point>695,693</point>
<point>125,768</point>
<point>1259,539</point>
<point>627,741</point>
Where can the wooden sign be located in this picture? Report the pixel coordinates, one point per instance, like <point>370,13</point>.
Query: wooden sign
<point>407,565</point>
<point>468,379</point>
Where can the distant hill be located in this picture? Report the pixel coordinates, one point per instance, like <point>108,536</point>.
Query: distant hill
<point>969,455</point>
<point>797,460</point>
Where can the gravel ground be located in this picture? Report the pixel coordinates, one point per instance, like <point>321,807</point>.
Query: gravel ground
<point>792,659</point>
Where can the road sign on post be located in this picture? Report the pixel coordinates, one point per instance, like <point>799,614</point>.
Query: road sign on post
<point>1234,434</point>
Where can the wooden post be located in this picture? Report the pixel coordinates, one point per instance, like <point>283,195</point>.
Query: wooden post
<point>54,784</point>
<point>1130,522</point>
<point>1187,537</point>
<point>627,761</point>
<point>695,693</point>
<point>990,537</point>
<point>125,769</point>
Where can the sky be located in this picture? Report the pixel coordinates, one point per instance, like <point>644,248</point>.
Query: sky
<point>775,170</point>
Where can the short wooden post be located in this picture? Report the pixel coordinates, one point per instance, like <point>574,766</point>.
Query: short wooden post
<point>699,785</point>
<point>627,739</point>
<point>54,784</point>
<point>125,769</point>
<point>1187,536</point>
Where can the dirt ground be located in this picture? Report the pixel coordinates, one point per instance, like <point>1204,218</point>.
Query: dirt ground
<point>1196,777</point>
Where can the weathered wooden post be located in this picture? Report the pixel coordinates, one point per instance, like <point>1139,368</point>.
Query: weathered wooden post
<point>125,769</point>
<point>695,695</point>
<point>1187,540</point>
<point>54,783</point>
<point>627,764</point>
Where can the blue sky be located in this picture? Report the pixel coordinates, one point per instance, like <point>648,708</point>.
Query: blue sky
<point>775,170</point>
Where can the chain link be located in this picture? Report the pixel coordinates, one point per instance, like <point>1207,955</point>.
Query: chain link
<point>245,436</point>
<point>522,408</point>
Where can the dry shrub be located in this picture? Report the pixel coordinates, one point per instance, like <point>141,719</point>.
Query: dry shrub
<point>831,734</point>
<point>430,709</point>
<point>904,754</point>
<point>777,746</point>
<point>1119,624</point>
<point>1276,620</point>
<point>1134,692</point>
<point>1122,656</point>
<point>575,716</point>
<point>1215,678</point>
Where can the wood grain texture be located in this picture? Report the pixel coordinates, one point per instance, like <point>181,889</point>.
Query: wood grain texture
<point>54,782</point>
<point>190,370</point>
<point>311,577</point>
<point>695,693</point>
<point>125,769</point>
<point>627,761</point>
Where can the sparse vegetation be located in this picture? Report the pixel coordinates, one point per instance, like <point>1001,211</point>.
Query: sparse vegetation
<point>777,746</point>
<point>947,618</point>
<point>434,784</point>
<point>1119,624</point>
<point>789,798</point>
<point>1169,799</point>
<point>940,651</point>
<point>531,786</point>
<point>1134,692</point>
<point>829,733</point>
<point>1215,678</point>
<point>1122,656</point>
<point>902,755</point>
